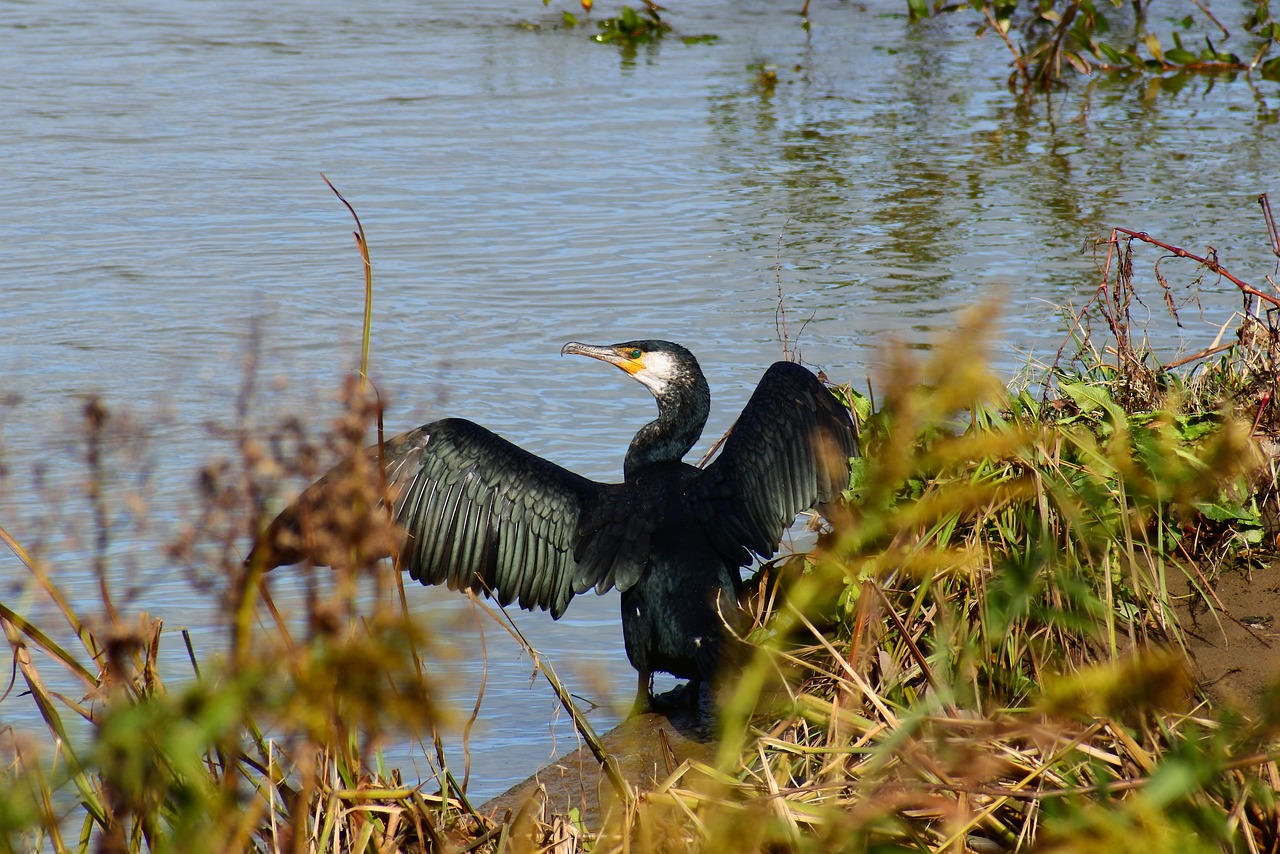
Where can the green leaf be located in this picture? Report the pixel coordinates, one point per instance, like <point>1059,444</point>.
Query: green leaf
<point>1195,427</point>
<point>1092,398</point>
<point>1227,513</point>
<point>1271,70</point>
<point>1178,56</point>
<point>1113,56</point>
<point>857,473</point>
<point>1173,780</point>
<point>1025,406</point>
<point>1078,62</point>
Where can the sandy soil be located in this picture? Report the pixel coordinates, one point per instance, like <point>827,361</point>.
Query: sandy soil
<point>1236,650</point>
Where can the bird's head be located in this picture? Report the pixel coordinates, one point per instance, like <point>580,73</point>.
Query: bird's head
<point>660,365</point>
<point>673,375</point>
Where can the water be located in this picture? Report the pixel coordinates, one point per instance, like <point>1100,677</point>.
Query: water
<point>521,187</point>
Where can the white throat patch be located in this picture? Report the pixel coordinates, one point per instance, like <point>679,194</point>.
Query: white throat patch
<point>659,370</point>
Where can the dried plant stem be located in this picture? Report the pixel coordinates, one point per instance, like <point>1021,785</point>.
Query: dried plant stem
<point>363,244</point>
<point>1210,262</point>
<point>1211,17</point>
<point>1019,62</point>
<point>1273,234</point>
<point>1195,357</point>
<point>606,759</point>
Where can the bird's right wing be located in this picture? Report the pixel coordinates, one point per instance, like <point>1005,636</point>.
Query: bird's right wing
<point>474,512</point>
<point>483,514</point>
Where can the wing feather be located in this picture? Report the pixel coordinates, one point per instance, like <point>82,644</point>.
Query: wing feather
<point>789,450</point>
<point>476,512</point>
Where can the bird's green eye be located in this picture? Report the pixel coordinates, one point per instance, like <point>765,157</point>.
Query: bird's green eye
<point>635,354</point>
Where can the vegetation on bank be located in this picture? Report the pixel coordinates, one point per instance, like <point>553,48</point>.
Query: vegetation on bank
<point>1045,38</point>
<point>988,653</point>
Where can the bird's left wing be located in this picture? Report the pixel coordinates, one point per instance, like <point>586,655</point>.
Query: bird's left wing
<point>788,451</point>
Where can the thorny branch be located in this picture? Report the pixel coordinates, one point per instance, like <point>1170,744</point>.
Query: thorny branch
<point>1210,263</point>
<point>1121,300</point>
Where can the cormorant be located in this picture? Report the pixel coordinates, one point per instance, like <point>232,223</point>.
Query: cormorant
<point>481,513</point>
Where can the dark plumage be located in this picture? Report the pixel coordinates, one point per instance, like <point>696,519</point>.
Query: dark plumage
<point>478,512</point>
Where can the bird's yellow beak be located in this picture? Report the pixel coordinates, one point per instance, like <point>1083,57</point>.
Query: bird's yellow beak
<point>612,355</point>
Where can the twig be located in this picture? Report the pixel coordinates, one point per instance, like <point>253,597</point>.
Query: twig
<point>1018,60</point>
<point>1213,594</point>
<point>475,710</point>
<point>1201,355</point>
<point>580,723</point>
<point>780,311</point>
<point>1272,233</point>
<point>363,245</point>
<point>1210,262</point>
<point>1209,15</point>
<point>1097,293</point>
<point>1053,63</point>
<point>711,452</point>
<point>919,656</point>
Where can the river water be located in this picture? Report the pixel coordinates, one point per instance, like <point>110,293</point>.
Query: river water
<point>522,186</point>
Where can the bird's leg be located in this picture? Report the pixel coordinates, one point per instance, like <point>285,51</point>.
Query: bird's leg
<point>697,689</point>
<point>644,693</point>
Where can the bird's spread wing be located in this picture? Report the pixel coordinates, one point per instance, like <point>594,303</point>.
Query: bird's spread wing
<point>789,450</point>
<point>484,514</point>
<point>475,511</point>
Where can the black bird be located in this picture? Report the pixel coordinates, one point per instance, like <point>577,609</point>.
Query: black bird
<point>480,513</point>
